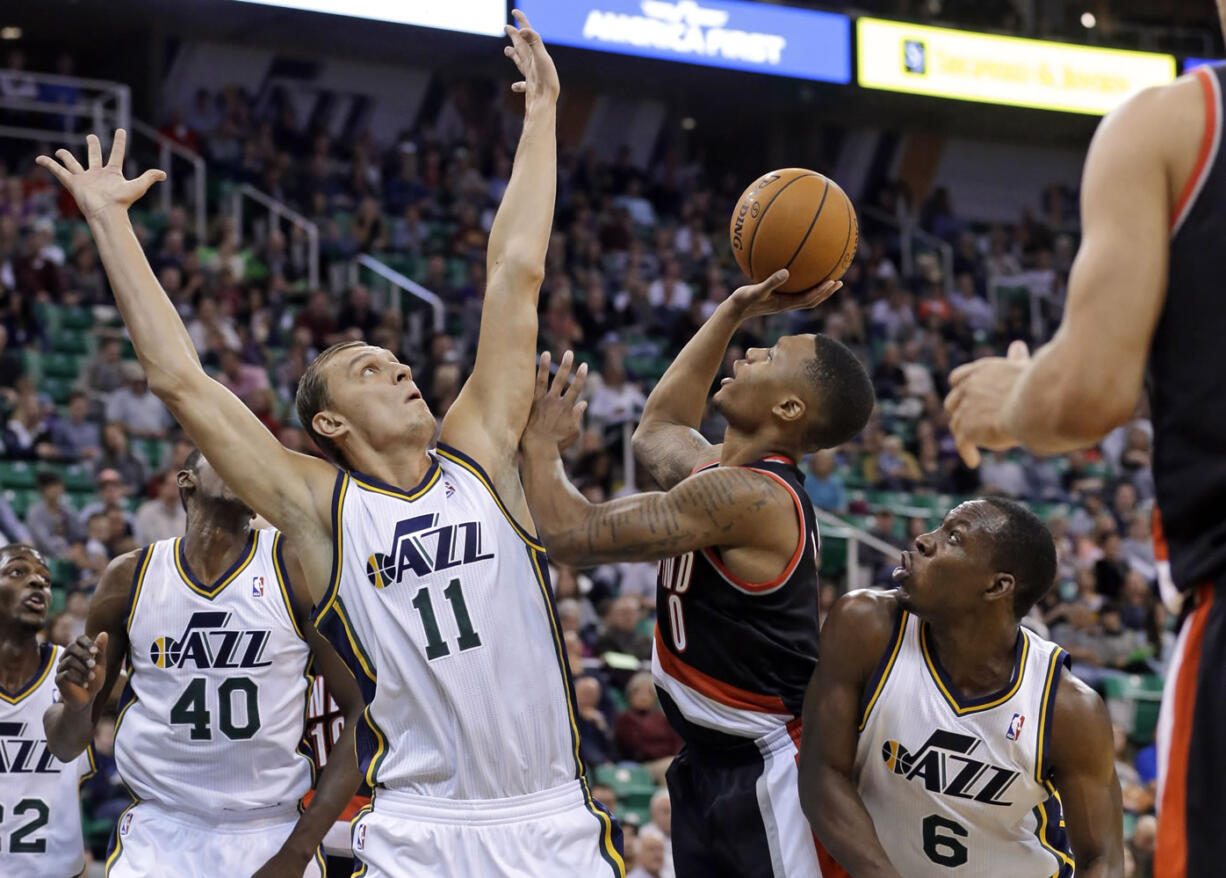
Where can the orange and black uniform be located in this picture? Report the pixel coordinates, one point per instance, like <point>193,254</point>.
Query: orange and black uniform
<point>1187,374</point>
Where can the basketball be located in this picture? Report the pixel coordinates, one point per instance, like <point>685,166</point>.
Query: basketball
<point>795,219</point>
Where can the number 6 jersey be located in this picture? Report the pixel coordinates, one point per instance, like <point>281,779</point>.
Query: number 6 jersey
<point>959,786</point>
<point>212,716</point>
<point>40,805</point>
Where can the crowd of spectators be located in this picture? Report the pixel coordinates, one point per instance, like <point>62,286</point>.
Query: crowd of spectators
<point>638,259</point>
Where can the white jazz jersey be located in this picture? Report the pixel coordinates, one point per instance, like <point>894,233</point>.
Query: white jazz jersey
<point>441,605</point>
<point>959,786</point>
<point>211,720</point>
<point>40,802</point>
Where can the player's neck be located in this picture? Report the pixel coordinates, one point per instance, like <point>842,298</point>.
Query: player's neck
<point>214,540</point>
<point>403,468</point>
<point>742,448</point>
<point>978,657</point>
<point>19,656</point>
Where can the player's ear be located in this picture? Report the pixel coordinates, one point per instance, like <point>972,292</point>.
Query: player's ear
<point>1001,588</point>
<point>791,410</point>
<point>185,479</point>
<point>329,424</point>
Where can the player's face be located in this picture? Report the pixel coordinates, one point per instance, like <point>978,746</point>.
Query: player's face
<point>762,379</point>
<point>209,486</point>
<point>25,588</point>
<point>375,394</point>
<point>946,570</point>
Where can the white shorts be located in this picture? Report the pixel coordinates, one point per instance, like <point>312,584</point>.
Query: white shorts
<point>153,841</point>
<point>551,834</point>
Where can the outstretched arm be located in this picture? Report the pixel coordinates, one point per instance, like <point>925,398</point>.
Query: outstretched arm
<point>488,417</point>
<point>1088,379</point>
<point>726,506</point>
<point>667,440</point>
<point>340,778</point>
<point>90,666</point>
<point>855,636</point>
<point>291,490</point>
<point>1083,772</point>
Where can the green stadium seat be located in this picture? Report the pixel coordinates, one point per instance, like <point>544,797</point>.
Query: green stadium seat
<point>61,365</point>
<point>59,389</point>
<point>79,477</point>
<point>20,500</point>
<point>77,318</point>
<point>70,341</point>
<point>1133,702</point>
<point>17,474</point>
<point>834,556</point>
<point>63,572</point>
<point>633,785</point>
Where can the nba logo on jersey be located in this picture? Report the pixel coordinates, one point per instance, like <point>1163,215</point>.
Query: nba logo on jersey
<point>257,586</point>
<point>126,826</point>
<point>1015,727</point>
<point>359,838</point>
<point>450,488</point>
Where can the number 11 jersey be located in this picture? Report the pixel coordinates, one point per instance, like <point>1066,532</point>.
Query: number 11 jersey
<point>440,604</point>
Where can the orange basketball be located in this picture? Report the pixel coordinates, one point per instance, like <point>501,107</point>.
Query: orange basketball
<point>798,220</point>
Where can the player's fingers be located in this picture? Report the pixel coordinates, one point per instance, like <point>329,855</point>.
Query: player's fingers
<point>954,399</point>
<point>95,150</point>
<point>72,663</point>
<point>57,170</point>
<point>542,376</point>
<point>580,409</point>
<point>1018,350</point>
<point>519,87</point>
<point>69,160</point>
<point>520,18</point>
<point>969,454</point>
<point>100,643</point>
<point>774,282</point>
<point>563,373</point>
<point>118,147</point>
<point>957,376</point>
<point>147,179</point>
<point>576,386</point>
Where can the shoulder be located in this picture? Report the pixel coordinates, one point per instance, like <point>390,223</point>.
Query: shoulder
<point>1161,117</point>
<point>862,625</point>
<point>122,569</point>
<point>1081,733</point>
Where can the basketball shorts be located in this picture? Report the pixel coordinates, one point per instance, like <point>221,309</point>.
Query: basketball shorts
<point>1192,745</point>
<point>153,841</point>
<point>736,812</point>
<point>557,833</point>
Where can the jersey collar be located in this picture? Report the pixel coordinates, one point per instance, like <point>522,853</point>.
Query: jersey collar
<point>211,591</point>
<point>961,705</point>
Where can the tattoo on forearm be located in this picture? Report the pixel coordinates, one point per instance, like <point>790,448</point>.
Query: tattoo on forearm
<point>670,454</point>
<point>700,512</point>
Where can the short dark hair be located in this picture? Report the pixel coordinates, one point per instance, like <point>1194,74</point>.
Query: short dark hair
<point>1024,547</point>
<point>312,398</point>
<point>191,463</point>
<point>844,391</point>
<point>45,478</point>
<point>22,549</point>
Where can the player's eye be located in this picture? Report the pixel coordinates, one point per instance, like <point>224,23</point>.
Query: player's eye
<point>955,537</point>
<point>370,369</point>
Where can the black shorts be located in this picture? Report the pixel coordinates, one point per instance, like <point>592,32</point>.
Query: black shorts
<point>1192,736</point>
<point>737,814</point>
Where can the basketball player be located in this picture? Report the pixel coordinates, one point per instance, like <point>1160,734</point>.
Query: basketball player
<point>325,728</point>
<point>1144,294</point>
<point>946,737</point>
<point>423,576</point>
<point>216,642</point>
<point>40,805</point>
<point>736,639</point>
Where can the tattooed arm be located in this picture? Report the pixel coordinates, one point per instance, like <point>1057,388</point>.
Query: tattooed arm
<point>727,506</point>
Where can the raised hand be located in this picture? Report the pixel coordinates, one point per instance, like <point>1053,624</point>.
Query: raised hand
<point>540,82</point>
<point>976,403</point>
<point>82,671</point>
<point>557,413</point>
<point>100,188</point>
<point>757,300</point>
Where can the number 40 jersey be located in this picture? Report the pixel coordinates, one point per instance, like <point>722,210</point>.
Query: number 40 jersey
<point>212,717</point>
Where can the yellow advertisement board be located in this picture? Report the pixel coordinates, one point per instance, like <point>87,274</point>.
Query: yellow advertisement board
<point>967,66</point>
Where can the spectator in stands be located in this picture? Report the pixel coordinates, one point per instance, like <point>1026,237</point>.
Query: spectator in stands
<point>605,795</point>
<point>369,230</point>
<point>59,629</point>
<point>650,860</point>
<point>823,485</point>
<point>614,399</point>
<point>1121,648</point>
<point>12,529</point>
<point>595,736</point>
<point>104,796</point>
<point>669,291</point>
<point>76,436</point>
<point>54,526</point>
<point>317,318</point>
<point>1111,568</point>
<point>621,630</point>
<point>34,272</point>
<point>163,516</point>
<point>11,367</point>
<point>20,319</point>
<point>242,379</point>
<point>889,379</point>
<point>1143,845</point>
<point>94,554</point>
<point>1003,474</point>
<point>27,436</point>
<point>16,83</point>
<point>209,322</point>
<point>103,374</point>
<point>893,468</point>
<point>661,827</point>
<point>642,731</point>
<point>117,455</point>
<point>358,312</point>
<point>112,496</point>
<point>85,279</point>
<point>135,406</point>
